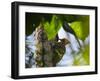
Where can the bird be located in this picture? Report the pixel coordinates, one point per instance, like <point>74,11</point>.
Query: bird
<point>48,52</point>
<point>59,50</point>
<point>67,28</point>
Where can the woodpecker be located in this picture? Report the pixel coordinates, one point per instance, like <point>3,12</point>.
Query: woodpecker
<point>48,52</point>
<point>59,50</point>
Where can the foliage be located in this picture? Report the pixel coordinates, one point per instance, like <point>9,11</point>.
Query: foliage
<point>53,22</point>
<point>81,27</point>
<point>83,57</point>
<point>52,27</point>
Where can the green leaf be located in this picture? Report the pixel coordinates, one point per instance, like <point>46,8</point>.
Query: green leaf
<point>52,27</point>
<point>86,54</point>
<point>83,57</point>
<point>77,27</point>
<point>81,27</point>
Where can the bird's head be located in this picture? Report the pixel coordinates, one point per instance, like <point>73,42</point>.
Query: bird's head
<point>64,41</point>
